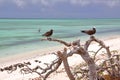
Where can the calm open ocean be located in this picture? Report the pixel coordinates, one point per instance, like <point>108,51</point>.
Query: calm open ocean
<point>22,35</point>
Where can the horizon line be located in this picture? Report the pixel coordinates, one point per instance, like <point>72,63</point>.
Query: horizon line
<point>59,18</point>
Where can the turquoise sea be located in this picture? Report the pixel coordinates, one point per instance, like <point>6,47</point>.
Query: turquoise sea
<point>22,35</point>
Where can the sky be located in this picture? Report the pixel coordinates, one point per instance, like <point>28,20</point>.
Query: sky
<point>59,8</point>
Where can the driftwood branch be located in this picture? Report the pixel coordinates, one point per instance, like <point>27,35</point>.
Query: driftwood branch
<point>91,64</point>
<point>101,43</point>
<point>58,63</point>
<point>74,43</point>
<point>111,65</point>
<point>57,40</point>
<point>63,56</point>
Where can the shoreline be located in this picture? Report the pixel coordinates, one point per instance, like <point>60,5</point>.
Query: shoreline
<point>112,42</point>
<point>29,55</point>
<point>41,52</point>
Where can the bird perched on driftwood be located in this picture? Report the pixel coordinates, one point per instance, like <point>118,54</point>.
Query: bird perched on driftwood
<point>48,33</point>
<point>89,32</point>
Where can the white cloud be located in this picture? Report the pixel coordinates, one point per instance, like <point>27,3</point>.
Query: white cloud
<point>40,2</point>
<point>23,3</point>
<point>1,2</point>
<point>47,2</point>
<point>110,3</point>
<point>80,2</point>
<point>20,3</point>
<point>113,3</point>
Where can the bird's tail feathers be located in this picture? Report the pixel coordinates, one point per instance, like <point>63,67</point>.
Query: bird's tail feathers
<point>83,31</point>
<point>43,34</point>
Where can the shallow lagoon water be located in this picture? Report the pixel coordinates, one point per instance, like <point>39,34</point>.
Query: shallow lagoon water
<point>22,35</point>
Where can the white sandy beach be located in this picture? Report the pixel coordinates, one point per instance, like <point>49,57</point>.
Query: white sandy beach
<point>113,43</point>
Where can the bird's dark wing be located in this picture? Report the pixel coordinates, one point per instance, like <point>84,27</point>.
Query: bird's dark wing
<point>45,34</point>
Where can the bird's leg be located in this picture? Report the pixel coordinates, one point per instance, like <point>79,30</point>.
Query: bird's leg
<point>49,38</point>
<point>92,37</point>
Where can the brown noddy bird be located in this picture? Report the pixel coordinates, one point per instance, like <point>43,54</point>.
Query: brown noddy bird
<point>89,32</point>
<point>48,33</point>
